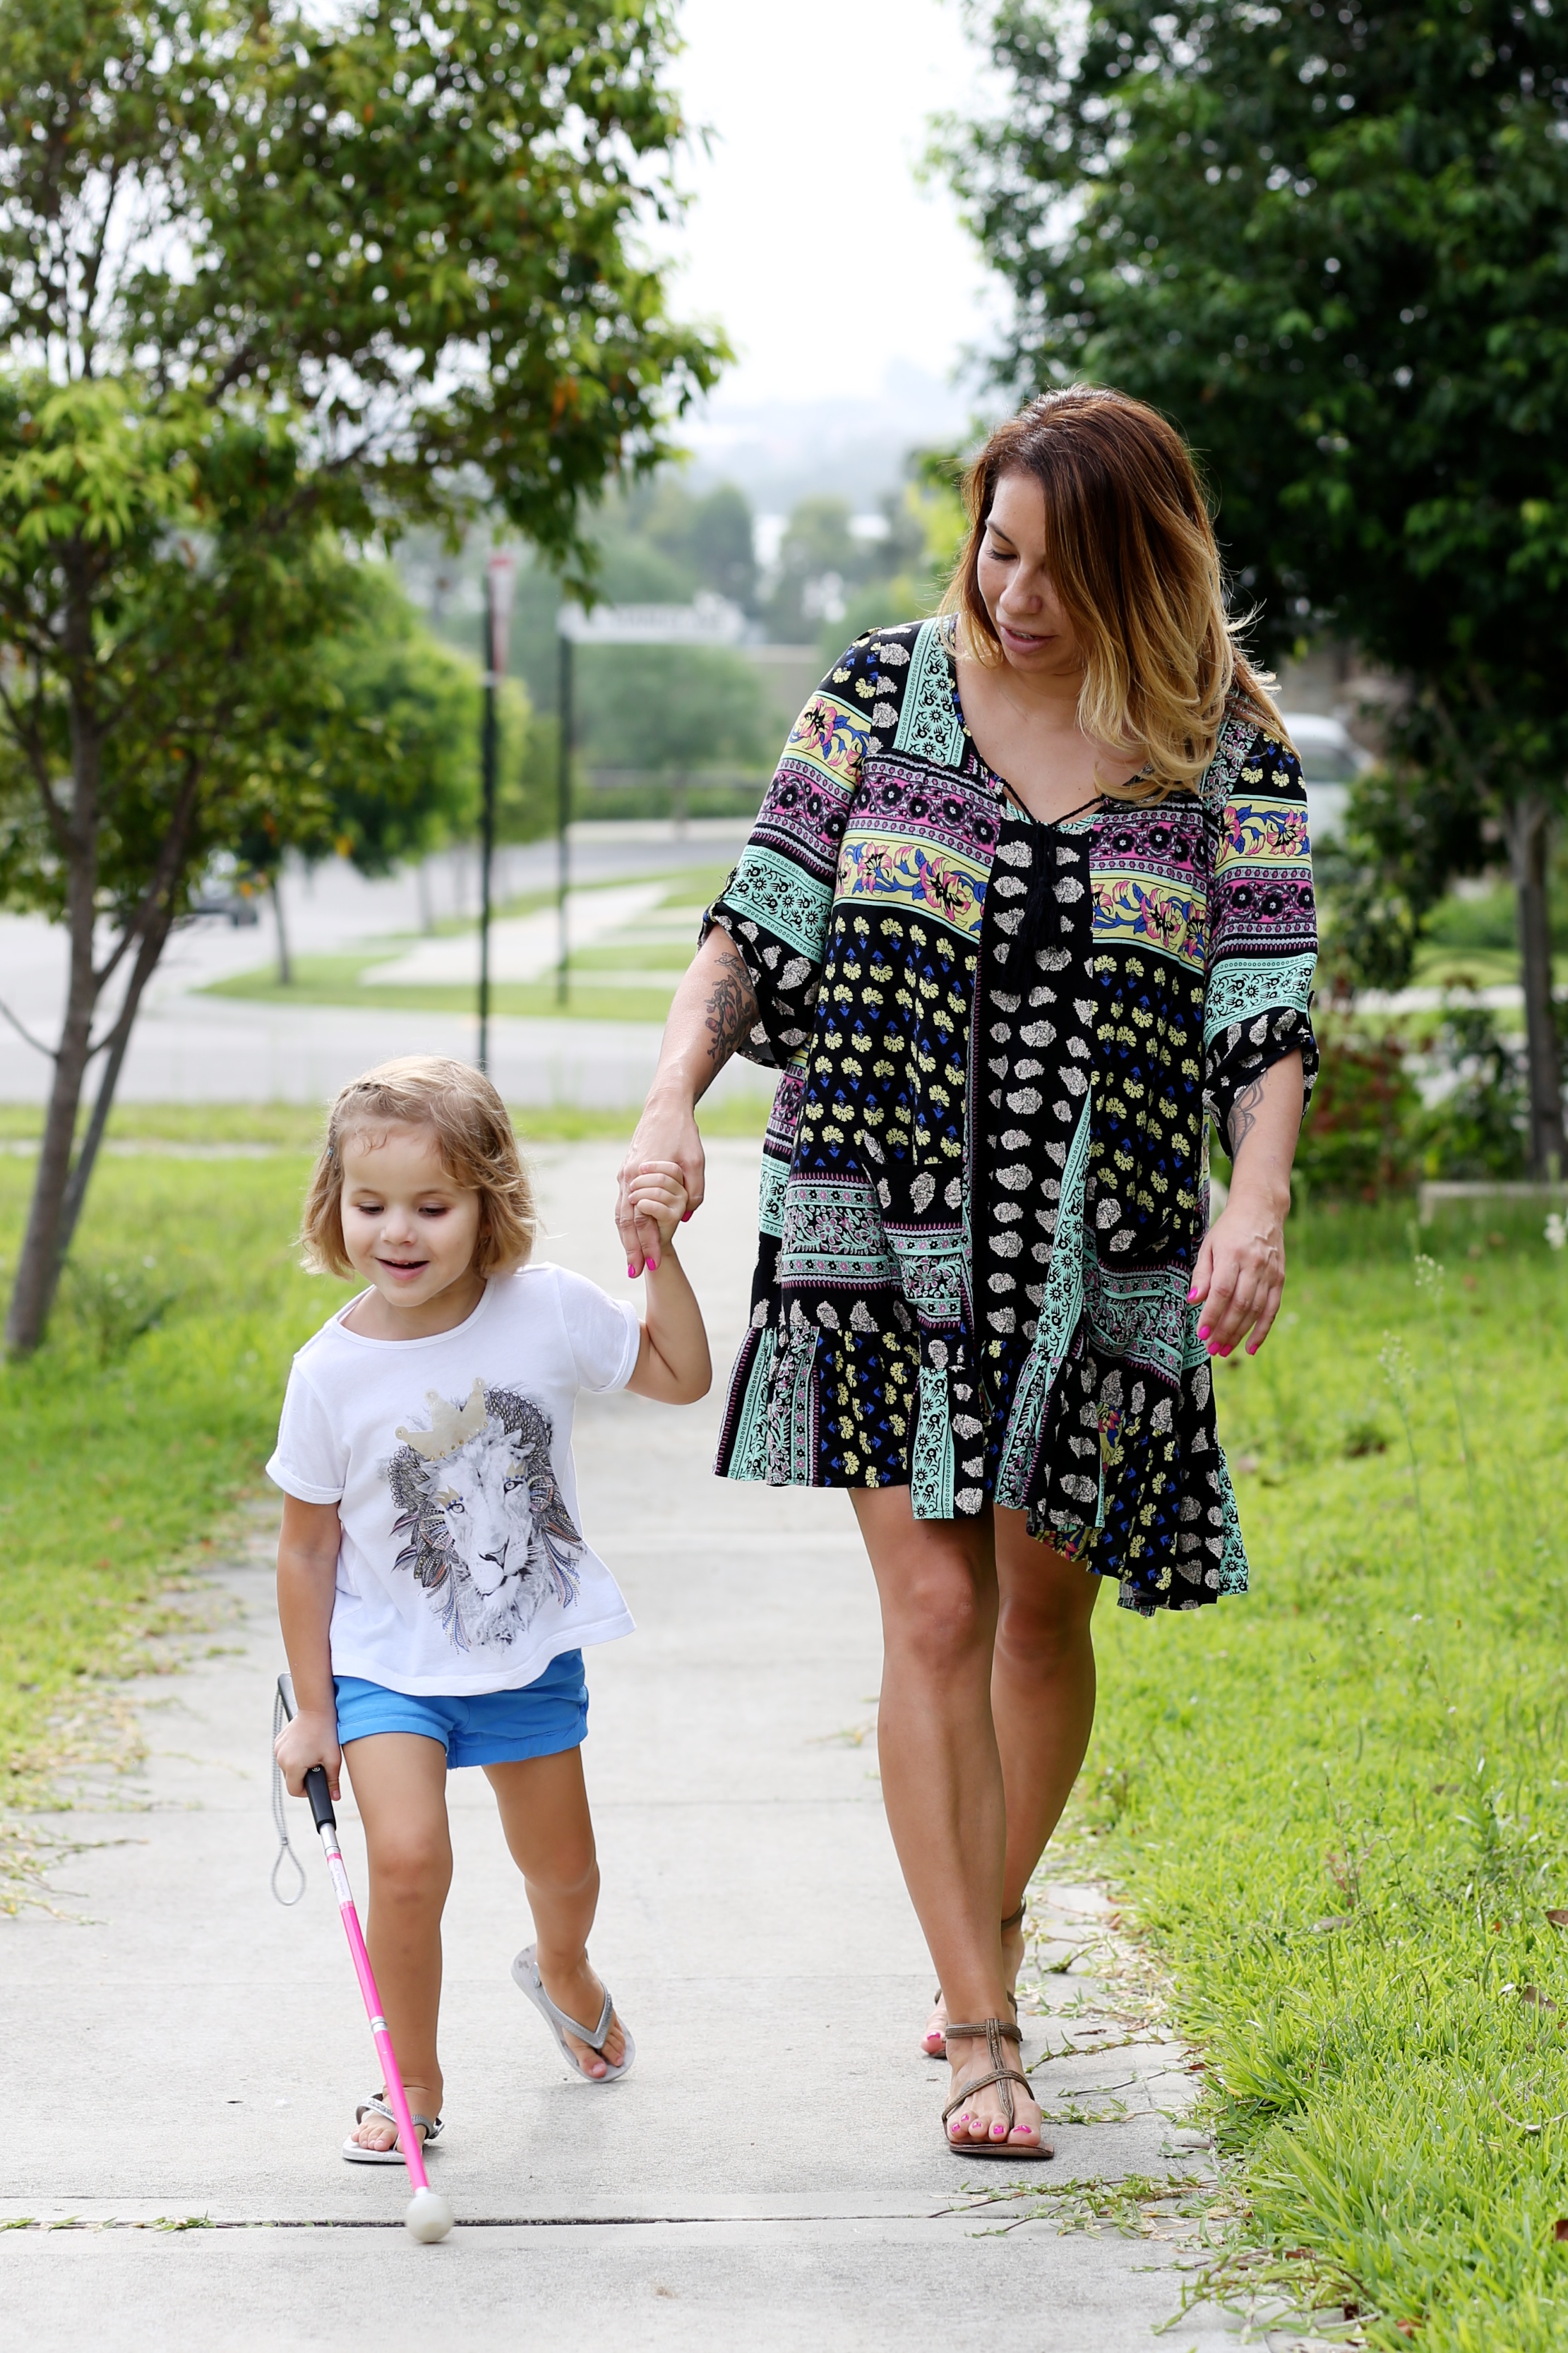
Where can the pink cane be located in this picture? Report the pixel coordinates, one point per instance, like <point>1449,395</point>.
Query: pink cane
<point>428,2216</point>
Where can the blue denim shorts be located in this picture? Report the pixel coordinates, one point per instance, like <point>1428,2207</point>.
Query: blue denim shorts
<point>543,1718</point>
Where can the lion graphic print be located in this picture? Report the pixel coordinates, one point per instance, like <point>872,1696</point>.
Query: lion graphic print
<point>485,1528</point>
<point>463,1563</point>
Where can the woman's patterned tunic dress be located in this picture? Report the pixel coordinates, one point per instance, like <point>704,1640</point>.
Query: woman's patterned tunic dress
<point>984,1182</point>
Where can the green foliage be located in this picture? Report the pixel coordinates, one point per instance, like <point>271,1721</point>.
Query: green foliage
<point>271,283</point>
<point>673,708</point>
<point>1332,243</point>
<point>1373,1130</point>
<point>1364,1952</point>
<point>1272,222</point>
<point>1359,1140</point>
<point>1477,1126</point>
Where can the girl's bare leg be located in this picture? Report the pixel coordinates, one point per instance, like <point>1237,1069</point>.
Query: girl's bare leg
<point>942,1775</point>
<point>400,1787</point>
<point>543,1806</point>
<point>1042,1705</point>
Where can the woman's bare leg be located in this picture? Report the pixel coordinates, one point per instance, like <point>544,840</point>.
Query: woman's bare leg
<point>1042,1705</point>
<point>942,1776</point>
<point>544,1812</point>
<point>1042,1691</point>
<point>400,1787</point>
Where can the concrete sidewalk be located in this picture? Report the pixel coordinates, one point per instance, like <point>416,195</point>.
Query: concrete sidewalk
<point>773,2171</point>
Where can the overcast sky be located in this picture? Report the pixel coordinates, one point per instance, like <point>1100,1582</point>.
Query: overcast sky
<point>834,272</point>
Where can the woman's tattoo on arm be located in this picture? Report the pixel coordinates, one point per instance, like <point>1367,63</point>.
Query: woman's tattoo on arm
<point>1243,1114</point>
<point>731,1007</point>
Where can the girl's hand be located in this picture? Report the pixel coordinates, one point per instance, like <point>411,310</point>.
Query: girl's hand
<point>657,1201</point>
<point>310,1739</point>
<point>1239,1276</point>
<point>667,1138</point>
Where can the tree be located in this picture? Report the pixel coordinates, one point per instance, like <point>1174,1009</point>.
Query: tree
<point>271,280</point>
<point>394,767</point>
<point>1331,241</point>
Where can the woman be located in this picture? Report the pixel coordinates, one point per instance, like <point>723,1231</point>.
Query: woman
<point>1028,897</point>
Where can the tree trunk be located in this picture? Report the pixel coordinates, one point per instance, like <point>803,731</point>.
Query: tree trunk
<point>1528,829</point>
<point>147,955</point>
<point>285,965</point>
<point>39,1267</point>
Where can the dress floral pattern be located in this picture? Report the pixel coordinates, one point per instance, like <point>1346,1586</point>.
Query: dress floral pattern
<point>984,1181</point>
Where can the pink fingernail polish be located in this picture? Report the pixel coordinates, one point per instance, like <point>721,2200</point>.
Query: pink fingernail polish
<point>631,1269</point>
<point>1202,1330</point>
<point>686,1217</point>
<point>1192,1297</point>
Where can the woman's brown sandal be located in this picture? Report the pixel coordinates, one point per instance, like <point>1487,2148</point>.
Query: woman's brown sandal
<point>996,2032</point>
<point>1014,1920</point>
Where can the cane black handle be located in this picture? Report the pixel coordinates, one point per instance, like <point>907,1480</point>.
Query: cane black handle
<point>316,1789</point>
<point>321,1799</point>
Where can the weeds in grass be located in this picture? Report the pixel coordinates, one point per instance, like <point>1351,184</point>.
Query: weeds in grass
<point>131,1435</point>
<point>1136,2206</point>
<point>1382,1721</point>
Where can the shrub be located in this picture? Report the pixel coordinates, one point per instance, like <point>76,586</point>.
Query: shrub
<point>1359,1139</point>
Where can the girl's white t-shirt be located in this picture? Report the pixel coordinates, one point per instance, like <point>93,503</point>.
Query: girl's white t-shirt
<point>463,1567</point>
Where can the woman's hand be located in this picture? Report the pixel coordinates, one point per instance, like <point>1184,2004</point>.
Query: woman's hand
<point>1239,1276</point>
<point>656,1196</point>
<point>1240,1270</point>
<point>665,1139</point>
<point>310,1739</point>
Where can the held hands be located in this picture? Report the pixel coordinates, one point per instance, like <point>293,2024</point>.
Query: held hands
<point>310,1739</point>
<point>656,1202</point>
<point>665,1139</point>
<point>1240,1277</point>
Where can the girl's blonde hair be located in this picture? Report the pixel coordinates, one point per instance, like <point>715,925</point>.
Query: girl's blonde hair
<point>473,1136</point>
<point>1133,557</point>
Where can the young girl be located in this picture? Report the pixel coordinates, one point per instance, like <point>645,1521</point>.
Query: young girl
<point>435,1588</point>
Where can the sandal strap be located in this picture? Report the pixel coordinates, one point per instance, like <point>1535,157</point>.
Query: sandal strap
<point>378,2107</point>
<point>1002,2075</point>
<point>1016,1919</point>
<point>595,2037</point>
<point>997,2031</point>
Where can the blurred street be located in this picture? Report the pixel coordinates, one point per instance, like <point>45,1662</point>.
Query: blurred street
<point>192,1048</point>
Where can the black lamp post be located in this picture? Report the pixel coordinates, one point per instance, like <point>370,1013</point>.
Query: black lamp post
<point>498,625</point>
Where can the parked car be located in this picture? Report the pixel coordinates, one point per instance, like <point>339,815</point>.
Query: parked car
<point>1330,760</point>
<point>237,902</point>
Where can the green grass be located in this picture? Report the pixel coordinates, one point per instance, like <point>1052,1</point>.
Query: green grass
<point>1339,1806</point>
<point>125,1446</point>
<point>148,1416</point>
<point>335,980</point>
<point>297,1128</point>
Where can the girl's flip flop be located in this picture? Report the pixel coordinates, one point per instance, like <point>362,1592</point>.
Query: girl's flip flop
<point>526,1976</point>
<point>393,2156</point>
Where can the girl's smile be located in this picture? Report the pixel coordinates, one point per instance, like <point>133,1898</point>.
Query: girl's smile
<point>410,1231</point>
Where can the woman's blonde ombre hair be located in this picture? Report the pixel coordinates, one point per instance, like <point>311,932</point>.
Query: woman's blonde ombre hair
<point>473,1136</point>
<point>1133,557</point>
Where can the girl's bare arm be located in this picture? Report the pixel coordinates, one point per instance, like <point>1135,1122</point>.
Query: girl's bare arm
<point>307,1577</point>
<point>673,1363</point>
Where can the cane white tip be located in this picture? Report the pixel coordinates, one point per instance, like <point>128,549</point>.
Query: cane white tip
<point>428,2217</point>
